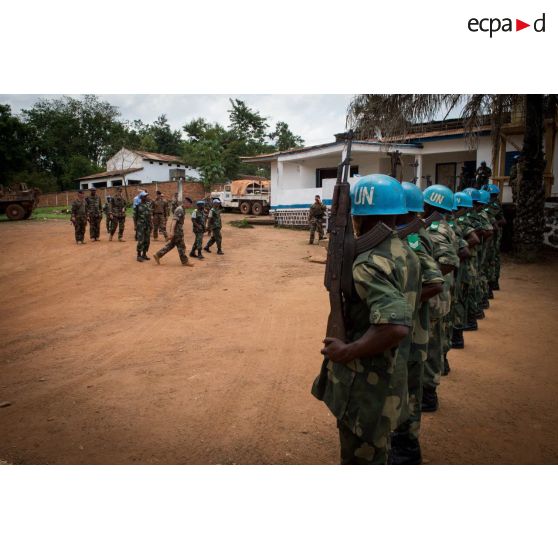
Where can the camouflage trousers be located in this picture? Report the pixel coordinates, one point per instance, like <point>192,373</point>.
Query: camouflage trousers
<point>159,225</point>
<point>216,238</point>
<point>434,364</point>
<point>107,223</point>
<point>198,240</point>
<point>79,228</point>
<point>143,236</point>
<point>316,225</point>
<point>178,243</point>
<point>356,451</point>
<point>497,261</point>
<point>95,226</point>
<point>410,427</point>
<point>117,222</point>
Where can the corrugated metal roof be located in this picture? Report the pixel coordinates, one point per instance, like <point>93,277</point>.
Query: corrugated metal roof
<point>158,157</point>
<point>108,174</point>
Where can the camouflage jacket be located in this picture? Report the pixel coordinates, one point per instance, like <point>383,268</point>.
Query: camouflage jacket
<point>118,207</point>
<point>214,219</point>
<point>430,274</point>
<point>379,277</point>
<point>317,211</point>
<point>198,220</point>
<point>79,210</point>
<point>444,244</point>
<point>178,216</point>
<point>143,218</point>
<point>93,206</point>
<point>173,205</point>
<point>160,207</point>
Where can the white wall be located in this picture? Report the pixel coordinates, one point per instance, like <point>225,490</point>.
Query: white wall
<point>124,160</point>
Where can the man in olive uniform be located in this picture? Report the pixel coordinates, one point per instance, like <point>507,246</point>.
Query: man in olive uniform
<point>482,175</point>
<point>438,201</point>
<point>494,209</point>
<point>316,218</point>
<point>405,440</point>
<point>214,225</point>
<point>354,381</point>
<point>174,203</point>
<point>176,235</point>
<point>160,209</point>
<point>79,217</point>
<point>106,212</point>
<point>94,214</point>
<point>117,215</point>
<point>198,219</point>
<point>143,222</point>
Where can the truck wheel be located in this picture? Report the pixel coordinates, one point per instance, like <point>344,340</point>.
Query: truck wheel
<point>14,212</point>
<point>257,208</point>
<point>245,208</point>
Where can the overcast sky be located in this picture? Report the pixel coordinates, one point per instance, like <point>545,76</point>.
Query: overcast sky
<point>314,117</point>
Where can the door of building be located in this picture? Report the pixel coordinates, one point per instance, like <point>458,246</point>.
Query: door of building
<point>446,174</point>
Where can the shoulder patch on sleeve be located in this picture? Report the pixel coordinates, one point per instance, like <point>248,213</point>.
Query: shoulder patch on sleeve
<point>434,225</point>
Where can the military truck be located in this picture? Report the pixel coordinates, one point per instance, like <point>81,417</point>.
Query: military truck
<point>248,196</point>
<point>18,201</point>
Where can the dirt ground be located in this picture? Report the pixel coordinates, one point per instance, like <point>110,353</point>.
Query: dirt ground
<point>106,360</point>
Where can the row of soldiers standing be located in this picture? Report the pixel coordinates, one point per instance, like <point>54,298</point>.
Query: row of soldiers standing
<point>426,265</point>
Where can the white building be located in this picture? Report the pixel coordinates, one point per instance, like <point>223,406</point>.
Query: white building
<point>436,155</point>
<point>139,167</point>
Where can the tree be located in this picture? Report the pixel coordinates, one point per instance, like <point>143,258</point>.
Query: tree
<point>165,140</point>
<point>285,139</point>
<point>13,137</point>
<point>392,116</point>
<point>247,126</point>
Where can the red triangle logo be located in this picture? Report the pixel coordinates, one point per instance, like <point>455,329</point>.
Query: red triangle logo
<point>519,25</point>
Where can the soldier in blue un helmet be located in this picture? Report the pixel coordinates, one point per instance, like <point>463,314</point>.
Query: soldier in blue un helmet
<point>360,369</point>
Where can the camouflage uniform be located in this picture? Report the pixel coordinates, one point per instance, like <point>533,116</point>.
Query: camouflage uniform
<point>214,225</point>
<point>482,175</point>
<point>174,204</point>
<point>117,210</point>
<point>430,274</point>
<point>79,218</point>
<point>198,219</point>
<point>178,238</point>
<point>495,212</point>
<point>143,224</point>
<point>444,243</point>
<point>357,393</point>
<point>94,215</point>
<point>106,212</point>
<point>484,255</point>
<point>160,209</point>
<point>316,218</point>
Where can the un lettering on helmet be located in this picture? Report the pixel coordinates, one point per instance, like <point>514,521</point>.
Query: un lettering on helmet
<point>436,197</point>
<point>365,196</point>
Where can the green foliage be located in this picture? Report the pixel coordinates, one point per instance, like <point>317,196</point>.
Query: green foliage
<point>285,139</point>
<point>43,180</point>
<point>13,137</point>
<point>242,224</point>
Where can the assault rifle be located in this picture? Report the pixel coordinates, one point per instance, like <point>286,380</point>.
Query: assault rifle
<point>341,247</point>
<point>436,216</point>
<point>410,228</point>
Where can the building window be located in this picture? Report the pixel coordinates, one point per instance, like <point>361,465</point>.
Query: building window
<point>331,172</point>
<point>150,162</point>
<point>446,174</point>
<point>160,163</point>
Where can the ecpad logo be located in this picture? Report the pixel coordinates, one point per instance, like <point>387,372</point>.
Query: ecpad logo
<point>494,24</point>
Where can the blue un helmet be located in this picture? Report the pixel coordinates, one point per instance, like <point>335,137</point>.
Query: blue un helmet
<point>377,194</point>
<point>462,199</point>
<point>474,193</point>
<point>491,188</point>
<point>201,203</point>
<point>439,196</point>
<point>484,197</point>
<point>413,197</point>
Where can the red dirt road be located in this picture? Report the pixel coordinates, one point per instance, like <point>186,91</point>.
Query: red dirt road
<point>106,360</point>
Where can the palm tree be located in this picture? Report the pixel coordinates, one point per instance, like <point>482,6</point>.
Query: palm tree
<point>394,116</point>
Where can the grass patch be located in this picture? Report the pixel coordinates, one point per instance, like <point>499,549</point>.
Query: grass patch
<point>242,224</point>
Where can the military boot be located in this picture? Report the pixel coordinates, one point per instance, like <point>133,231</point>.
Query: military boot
<point>495,285</point>
<point>429,400</point>
<point>490,293</point>
<point>457,341</point>
<point>192,253</point>
<point>157,258</point>
<point>480,315</point>
<point>200,255</point>
<point>471,325</point>
<point>206,248</point>
<point>404,450</point>
<point>447,368</point>
<point>139,258</point>
<point>220,252</point>
<point>145,256</point>
<point>485,305</point>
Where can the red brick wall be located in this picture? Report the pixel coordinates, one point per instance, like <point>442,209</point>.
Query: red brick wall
<point>193,190</point>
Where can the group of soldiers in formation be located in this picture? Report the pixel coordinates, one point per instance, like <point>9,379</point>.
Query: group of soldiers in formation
<point>427,264</point>
<point>150,217</point>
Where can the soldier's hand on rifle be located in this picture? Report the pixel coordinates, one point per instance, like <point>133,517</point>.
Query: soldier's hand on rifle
<point>335,350</point>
